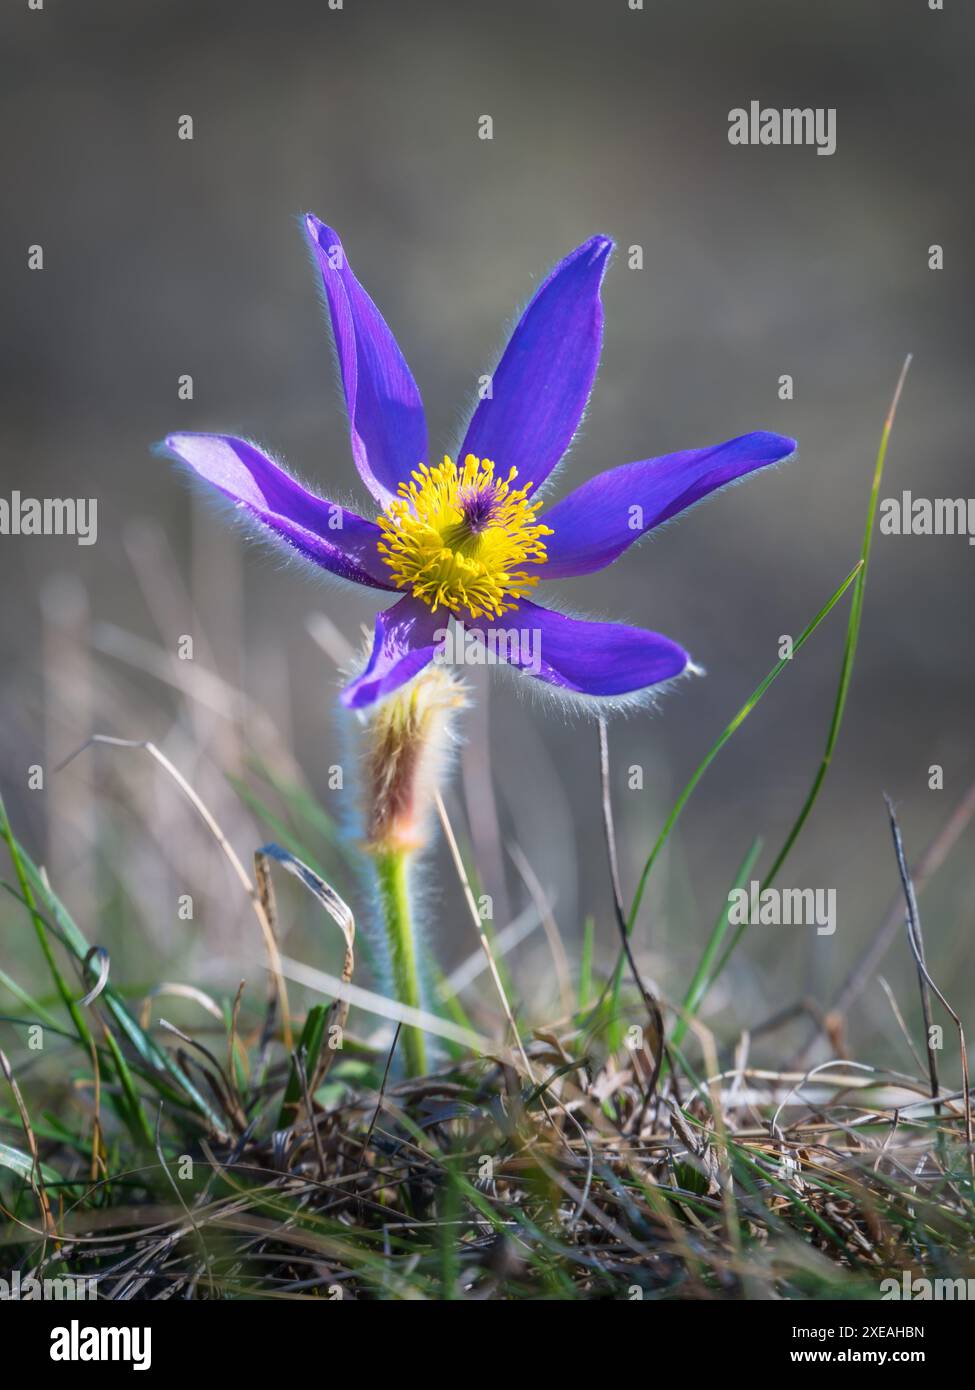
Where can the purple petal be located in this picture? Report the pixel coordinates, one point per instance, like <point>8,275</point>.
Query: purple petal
<point>402,645</point>
<point>596,523</point>
<point>386,420</point>
<point>587,658</point>
<point>330,535</point>
<point>542,383</point>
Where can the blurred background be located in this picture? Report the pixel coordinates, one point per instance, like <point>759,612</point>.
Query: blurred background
<point>165,257</point>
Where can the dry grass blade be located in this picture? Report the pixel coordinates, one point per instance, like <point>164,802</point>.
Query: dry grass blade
<point>209,821</point>
<point>104,966</point>
<point>340,912</point>
<point>455,853</point>
<point>222,1085</point>
<point>384,1007</point>
<point>97,1144</point>
<point>869,962</point>
<point>542,904</point>
<point>178,990</point>
<point>36,1176</point>
<point>917,948</point>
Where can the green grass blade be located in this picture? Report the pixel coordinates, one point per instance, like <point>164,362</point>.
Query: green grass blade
<point>700,981</point>
<point>713,752</point>
<point>309,1049</point>
<point>16,1161</point>
<point>67,997</point>
<point>852,637</point>
<point>585,965</point>
<point>38,1011</point>
<point>846,669</point>
<point>157,1060</point>
<point>135,1115</point>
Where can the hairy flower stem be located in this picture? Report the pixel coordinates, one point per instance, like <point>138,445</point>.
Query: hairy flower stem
<point>392,869</point>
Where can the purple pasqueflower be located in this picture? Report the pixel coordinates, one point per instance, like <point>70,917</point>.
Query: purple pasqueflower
<point>461,540</point>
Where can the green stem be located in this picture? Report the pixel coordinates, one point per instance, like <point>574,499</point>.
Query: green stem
<point>392,873</point>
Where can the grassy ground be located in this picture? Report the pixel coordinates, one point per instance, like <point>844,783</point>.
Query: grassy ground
<point>570,1164</point>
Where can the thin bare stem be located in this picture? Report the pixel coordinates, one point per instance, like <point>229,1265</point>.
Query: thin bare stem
<point>917,948</point>
<point>619,912</point>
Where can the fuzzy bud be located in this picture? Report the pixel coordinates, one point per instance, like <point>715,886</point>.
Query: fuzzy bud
<point>409,739</point>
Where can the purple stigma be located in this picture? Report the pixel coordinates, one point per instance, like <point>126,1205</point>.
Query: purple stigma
<point>478,506</point>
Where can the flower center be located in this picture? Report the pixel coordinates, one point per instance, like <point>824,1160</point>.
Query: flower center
<point>456,536</point>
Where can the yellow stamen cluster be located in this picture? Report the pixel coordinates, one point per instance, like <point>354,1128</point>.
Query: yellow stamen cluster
<point>455,536</point>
